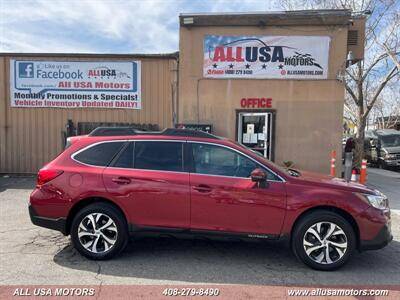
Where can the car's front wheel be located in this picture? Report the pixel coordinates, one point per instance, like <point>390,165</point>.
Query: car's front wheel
<point>323,240</point>
<point>99,231</point>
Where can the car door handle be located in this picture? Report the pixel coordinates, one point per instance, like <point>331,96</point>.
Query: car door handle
<point>121,180</point>
<point>202,188</point>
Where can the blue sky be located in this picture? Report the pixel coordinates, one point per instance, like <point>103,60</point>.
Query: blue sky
<point>100,26</point>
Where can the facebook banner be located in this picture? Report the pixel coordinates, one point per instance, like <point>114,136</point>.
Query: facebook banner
<point>275,57</point>
<point>75,84</point>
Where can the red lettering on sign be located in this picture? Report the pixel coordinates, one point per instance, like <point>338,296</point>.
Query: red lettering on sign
<point>219,54</point>
<point>256,102</point>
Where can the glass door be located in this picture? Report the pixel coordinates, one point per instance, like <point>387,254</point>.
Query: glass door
<point>255,131</point>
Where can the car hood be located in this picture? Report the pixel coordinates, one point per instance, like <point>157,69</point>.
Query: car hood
<point>327,181</point>
<point>392,149</point>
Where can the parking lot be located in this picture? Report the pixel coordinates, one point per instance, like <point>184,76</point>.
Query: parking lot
<point>31,255</point>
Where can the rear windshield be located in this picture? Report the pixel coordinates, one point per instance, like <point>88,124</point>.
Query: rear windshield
<point>100,154</point>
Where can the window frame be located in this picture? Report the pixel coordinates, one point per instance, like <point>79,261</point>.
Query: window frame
<point>187,157</point>
<point>192,170</point>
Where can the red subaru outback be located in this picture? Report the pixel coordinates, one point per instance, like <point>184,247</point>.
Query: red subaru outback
<point>112,184</point>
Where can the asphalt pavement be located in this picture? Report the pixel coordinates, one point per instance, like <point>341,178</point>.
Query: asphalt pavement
<point>34,255</point>
<point>388,182</point>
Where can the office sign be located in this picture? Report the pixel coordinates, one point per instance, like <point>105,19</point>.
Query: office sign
<point>256,102</point>
<point>269,57</point>
<point>75,84</point>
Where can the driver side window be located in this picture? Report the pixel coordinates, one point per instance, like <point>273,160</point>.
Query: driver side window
<point>215,160</point>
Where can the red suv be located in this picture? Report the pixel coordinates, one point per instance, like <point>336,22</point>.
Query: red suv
<point>115,183</point>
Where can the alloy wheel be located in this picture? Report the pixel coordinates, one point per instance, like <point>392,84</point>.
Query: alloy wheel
<point>97,232</point>
<point>325,242</point>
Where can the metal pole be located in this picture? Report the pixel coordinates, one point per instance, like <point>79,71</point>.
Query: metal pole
<point>348,164</point>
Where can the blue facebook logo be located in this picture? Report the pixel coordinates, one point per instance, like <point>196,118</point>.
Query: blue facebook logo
<point>25,70</point>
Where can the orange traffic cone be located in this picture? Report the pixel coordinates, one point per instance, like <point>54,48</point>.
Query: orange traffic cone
<point>363,172</point>
<point>353,175</point>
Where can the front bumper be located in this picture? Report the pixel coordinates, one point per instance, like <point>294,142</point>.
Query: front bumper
<point>392,163</point>
<point>50,223</point>
<point>383,238</point>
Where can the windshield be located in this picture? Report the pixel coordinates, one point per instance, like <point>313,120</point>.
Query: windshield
<point>391,140</point>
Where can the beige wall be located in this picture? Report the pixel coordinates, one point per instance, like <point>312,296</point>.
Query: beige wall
<point>309,113</point>
<point>29,137</point>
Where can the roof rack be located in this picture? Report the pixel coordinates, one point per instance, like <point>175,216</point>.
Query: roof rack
<point>112,131</point>
<point>119,131</point>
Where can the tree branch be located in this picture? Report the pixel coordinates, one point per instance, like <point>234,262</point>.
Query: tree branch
<point>351,93</point>
<point>392,55</point>
<point>351,75</point>
<point>388,77</point>
<point>383,56</point>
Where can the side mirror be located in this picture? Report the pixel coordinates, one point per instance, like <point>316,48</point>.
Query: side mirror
<point>260,177</point>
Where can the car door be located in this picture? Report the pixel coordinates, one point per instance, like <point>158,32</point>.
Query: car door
<point>148,178</point>
<point>224,198</point>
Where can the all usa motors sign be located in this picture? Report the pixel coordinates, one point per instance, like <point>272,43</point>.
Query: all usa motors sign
<point>75,84</point>
<point>275,57</point>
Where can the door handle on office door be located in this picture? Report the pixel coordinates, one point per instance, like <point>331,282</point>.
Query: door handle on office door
<point>202,188</point>
<point>121,180</point>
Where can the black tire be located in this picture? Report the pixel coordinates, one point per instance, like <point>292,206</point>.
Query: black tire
<point>310,220</point>
<point>120,238</point>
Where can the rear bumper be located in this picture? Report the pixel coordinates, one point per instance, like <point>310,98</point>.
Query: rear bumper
<point>58,224</point>
<point>381,240</point>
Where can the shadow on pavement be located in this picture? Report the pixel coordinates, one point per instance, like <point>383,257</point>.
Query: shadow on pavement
<point>17,182</point>
<point>199,261</point>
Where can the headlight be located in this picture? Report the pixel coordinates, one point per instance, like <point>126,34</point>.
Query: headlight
<point>378,201</point>
<point>390,156</point>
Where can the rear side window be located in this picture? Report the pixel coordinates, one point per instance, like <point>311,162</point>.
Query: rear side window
<point>99,155</point>
<point>164,156</point>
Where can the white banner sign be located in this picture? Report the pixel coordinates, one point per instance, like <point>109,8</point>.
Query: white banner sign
<point>75,84</point>
<point>275,57</point>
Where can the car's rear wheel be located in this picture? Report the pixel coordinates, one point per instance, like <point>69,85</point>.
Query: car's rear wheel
<point>323,240</point>
<point>99,231</point>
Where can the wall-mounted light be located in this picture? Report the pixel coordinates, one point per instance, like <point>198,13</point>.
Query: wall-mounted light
<point>350,58</point>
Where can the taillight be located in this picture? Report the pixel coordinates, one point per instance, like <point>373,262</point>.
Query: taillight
<point>46,175</point>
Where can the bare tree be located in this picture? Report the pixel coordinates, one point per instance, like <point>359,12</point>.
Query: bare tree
<point>389,42</point>
<point>366,80</point>
<point>386,112</point>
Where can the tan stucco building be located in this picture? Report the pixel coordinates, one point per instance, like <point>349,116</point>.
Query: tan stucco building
<point>307,114</point>
<point>285,117</point>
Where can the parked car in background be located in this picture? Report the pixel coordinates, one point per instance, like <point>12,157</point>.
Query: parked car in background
<point>104,188</point>
<point>382,148</point>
